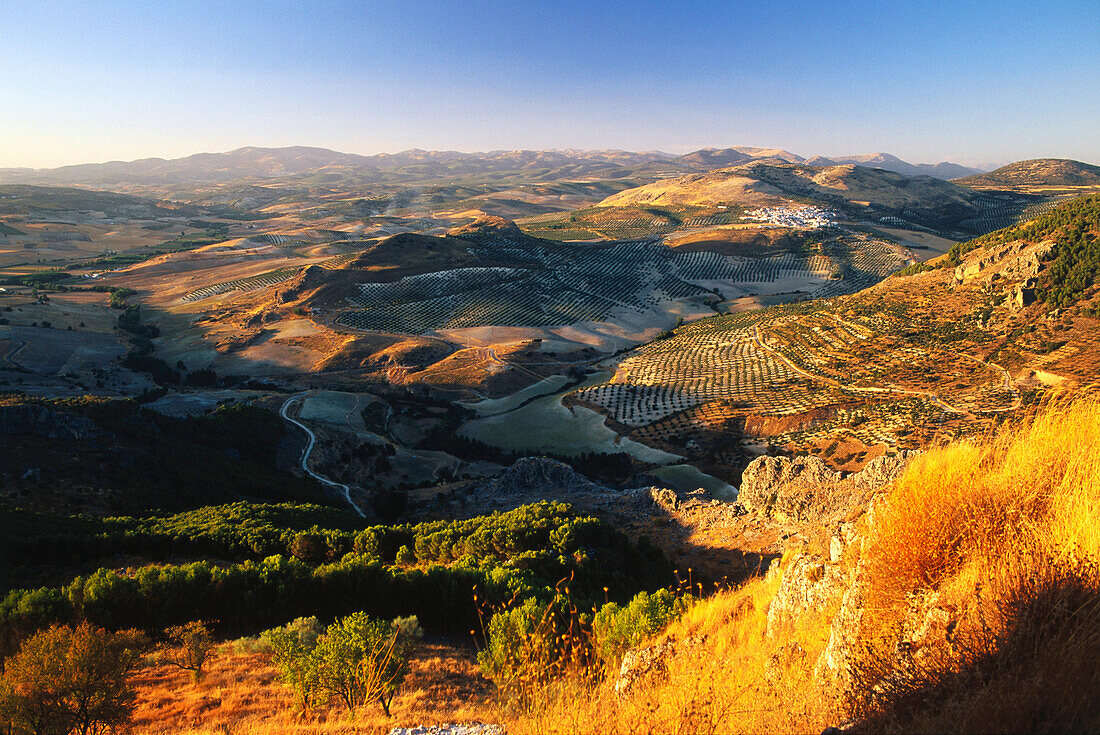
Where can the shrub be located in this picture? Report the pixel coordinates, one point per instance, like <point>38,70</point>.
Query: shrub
<point>617,629</point>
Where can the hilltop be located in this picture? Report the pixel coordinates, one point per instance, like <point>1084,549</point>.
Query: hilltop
<point>856,191</point>
<point>1036,172</point>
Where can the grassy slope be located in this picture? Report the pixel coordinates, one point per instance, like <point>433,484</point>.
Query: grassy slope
<point>1004,531</point>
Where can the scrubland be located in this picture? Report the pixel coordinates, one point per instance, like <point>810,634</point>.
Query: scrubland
<point>979,610</point>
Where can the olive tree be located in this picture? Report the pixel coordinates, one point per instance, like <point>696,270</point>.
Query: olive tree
<point>64,680</point>
<point>358,659</point>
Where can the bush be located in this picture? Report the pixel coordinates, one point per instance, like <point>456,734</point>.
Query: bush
<point>617,629</point>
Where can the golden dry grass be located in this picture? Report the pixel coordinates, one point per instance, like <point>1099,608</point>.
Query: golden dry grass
<point>734,680</point>
<point>1005,531</point>
<point>242,694</point>
<point>1005,534</point>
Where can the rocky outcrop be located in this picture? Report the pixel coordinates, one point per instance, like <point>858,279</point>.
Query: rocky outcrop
<point>805,490</point>
<point>38,420</point>
<point>649,661</point>
<point>1014,261</point>
<point>546,475</point>
<point>784,488</point>
<point>472,728</point>
<point>809,584</point>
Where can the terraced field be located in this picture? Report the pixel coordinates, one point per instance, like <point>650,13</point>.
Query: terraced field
<point>811,370</point>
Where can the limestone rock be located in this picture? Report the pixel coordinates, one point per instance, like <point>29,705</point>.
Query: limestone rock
<point>805,490</point>
<point>783,487</point>
<point>808,585</point>
<point>533,474</point>
<point>473,728</point>
<point>639,663</point>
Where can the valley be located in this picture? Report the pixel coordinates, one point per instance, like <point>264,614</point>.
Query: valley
<point>310,390</point>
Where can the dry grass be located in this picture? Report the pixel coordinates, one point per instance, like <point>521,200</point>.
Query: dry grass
<point>736,680</point>
<point>1006,536</point>
<point>1005,533</point>
<point>242,694</point>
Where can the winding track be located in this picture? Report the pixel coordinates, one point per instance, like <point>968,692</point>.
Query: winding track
<point>309,448</point>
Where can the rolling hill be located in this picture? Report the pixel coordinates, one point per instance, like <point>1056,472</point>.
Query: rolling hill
<point>320,166</point>
<point>1037,172</point>
<point>856,191</point>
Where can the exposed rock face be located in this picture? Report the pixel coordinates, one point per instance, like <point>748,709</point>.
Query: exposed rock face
<point>880,472</point>
<point>1016,261</point>
<point>41,421</point>
<point>805,490</point>
<point>547,475</point>
<point>472,728</point>
<point>782,487</point>
<point>809,584</point>
<point>640,663</point>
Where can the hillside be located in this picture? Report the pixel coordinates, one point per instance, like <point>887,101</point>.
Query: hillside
<point>940,349</point>
<point>961,597</point>
<point>856,191</point>
<point>1036,172</point>
<point>42,201</point>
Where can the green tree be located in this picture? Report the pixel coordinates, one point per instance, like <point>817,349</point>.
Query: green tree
<point>617,629</point>
<point>64,680</point>
<point>358,659</point>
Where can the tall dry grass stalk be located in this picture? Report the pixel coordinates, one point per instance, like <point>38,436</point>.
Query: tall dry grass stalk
<point>1004,531</point>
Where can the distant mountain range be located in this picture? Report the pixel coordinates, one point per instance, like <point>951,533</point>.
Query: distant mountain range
<point>320,166</point>
<point>942,170</point>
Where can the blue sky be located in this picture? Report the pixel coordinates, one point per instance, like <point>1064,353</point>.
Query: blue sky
<point>974,82</point>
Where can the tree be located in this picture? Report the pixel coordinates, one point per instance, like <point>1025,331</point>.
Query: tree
<point>189,647</point>
<point>358,659</point>
<point>64,680</point>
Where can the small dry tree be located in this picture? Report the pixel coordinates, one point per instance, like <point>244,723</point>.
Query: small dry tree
<point>188,647</point>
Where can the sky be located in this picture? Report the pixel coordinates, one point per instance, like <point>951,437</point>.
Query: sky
<point>971,82</point>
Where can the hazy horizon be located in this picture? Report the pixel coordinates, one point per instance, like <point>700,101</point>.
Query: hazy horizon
<point>975,84</point>
<point>682,150</point>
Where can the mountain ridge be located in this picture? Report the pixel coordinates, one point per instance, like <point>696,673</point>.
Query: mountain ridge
<point>257,162</point>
